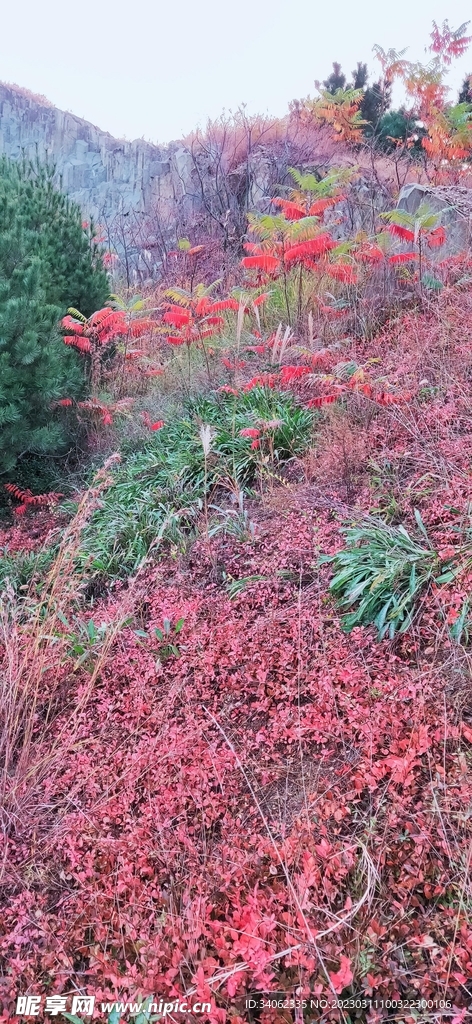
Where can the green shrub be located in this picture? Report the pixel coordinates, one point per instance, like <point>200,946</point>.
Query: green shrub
<point>382,572</point>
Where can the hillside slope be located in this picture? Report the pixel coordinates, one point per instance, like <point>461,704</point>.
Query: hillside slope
<point>273,803</point>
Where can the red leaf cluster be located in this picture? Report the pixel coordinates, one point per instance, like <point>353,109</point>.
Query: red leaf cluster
<point>291,373</point>
<point>102,327</point>
<point>28,500</point>
<point>399,231</point>
<point>313,247</point>
<point>198,320</point>
<point>249,432</point>
<point>316,403</point>
<point>262,261</point>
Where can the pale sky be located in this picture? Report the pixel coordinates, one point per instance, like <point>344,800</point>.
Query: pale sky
<point>158,68</point>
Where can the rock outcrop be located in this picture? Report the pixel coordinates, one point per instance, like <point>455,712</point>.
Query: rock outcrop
<point>145,196</point>
<point>104,175</point>
<point>452,204</point>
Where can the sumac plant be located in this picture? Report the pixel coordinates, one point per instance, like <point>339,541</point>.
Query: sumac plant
<point>282,246</point>
<point>195,317</point>
<point>92,335</point>
<point>420,230</point>
<point>28,500</point>
<point>295,242</point>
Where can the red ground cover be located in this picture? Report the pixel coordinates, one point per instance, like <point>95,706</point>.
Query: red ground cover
<point>283,805</point>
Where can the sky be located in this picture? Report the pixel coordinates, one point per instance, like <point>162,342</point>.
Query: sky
<point>157,70</point>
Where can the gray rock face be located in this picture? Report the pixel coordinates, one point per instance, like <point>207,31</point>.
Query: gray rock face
<point>145,196</point>
<point>104,175</point>
<point>453,204</point>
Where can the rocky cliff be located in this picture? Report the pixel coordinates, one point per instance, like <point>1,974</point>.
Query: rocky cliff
<point>110,177</point>
<point>144,196</point>
<point>104,175</point>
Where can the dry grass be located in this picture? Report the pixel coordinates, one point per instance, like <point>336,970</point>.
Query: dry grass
<point>34,684</point>
<point>341,458</point>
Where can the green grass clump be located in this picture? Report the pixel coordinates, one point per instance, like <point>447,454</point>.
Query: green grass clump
<point>382,573</point>
<point>18,569</point>
<point>159,490</point>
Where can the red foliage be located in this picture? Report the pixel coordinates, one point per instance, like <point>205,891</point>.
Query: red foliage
<point>403,257</point>
<point>83,344</point>
<point>153,371</point>
<point>258,349</point>
<point>401,232</point>
<point>449,44</point>
<point>387,398</point>
<point>216,840</point>
<point>249,432</point>
<point>226,389</point>
<point>289,209</point>
<point>278,806</point>
<point>290,373</point>
<point>260,299</point>
<point>139,327</point>
<point>72,325</point>
<point>102,327</point>
<point>323,204</point>
<point>292,211</point>
<point>263,261</point>
<point>437,237</point>
<point>29,500</point>
<point>215,307</point>
<point>316,403</point>
<point>370,253</point>
<point>176,316</point>
<point>198,320</point>
<point>253,248</point>
<point>314,247</point>
<point>233,364</point>
<point>98,411</point>
<point>341,979</point>
<point>330,311</point>
<point>343,272</point>
<point>262,380</point>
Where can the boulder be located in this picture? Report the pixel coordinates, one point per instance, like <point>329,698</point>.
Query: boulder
<point>453,204</point>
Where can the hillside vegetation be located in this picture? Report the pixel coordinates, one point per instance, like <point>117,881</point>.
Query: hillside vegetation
<point>236,622</point>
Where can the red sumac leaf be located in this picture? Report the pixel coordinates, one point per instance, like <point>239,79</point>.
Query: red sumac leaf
<point>263,261</point>
<point>316,403</point>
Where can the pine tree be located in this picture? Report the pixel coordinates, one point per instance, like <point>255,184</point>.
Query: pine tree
<point>465,95</point>
<point>397,125</point>
<point>376,98</point>
<point>375,105</point>
<point>336,80</point>
<point>36,368</point>
<point>359,76</point>
<point>72,268</point>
